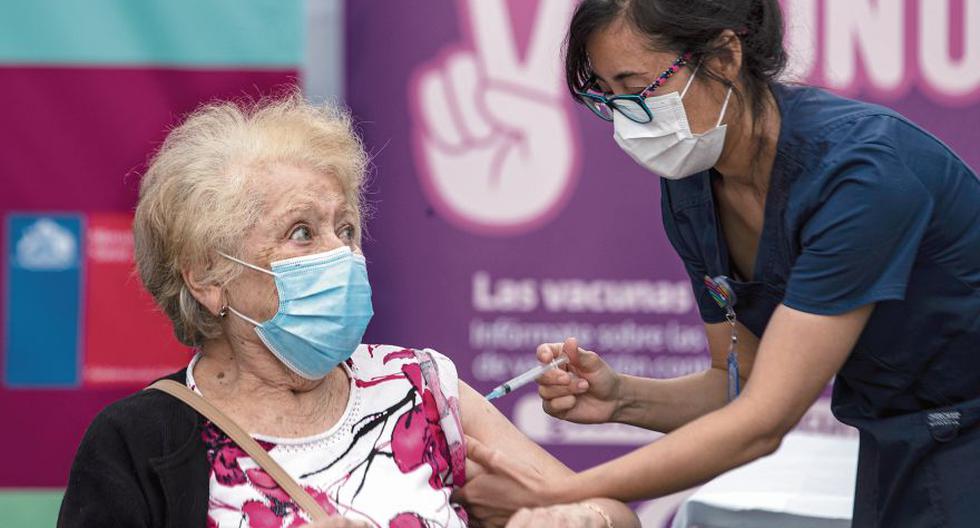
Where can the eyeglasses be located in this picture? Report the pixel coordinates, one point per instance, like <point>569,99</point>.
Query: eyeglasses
<point>632,106</point>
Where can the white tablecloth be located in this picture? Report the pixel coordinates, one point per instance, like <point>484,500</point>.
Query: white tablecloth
<point>807,483</point>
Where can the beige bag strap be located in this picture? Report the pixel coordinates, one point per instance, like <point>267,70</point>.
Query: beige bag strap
<point>244,441</point>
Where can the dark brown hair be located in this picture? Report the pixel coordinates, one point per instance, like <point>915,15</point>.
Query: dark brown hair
<point>689,26</point>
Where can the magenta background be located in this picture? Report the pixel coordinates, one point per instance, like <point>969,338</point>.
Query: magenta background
<point>76,139</point>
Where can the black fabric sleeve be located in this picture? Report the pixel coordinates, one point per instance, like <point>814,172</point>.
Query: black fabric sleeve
<point>104,489</point>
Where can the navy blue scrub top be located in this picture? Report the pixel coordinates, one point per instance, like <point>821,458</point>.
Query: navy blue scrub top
<point>865,207</point>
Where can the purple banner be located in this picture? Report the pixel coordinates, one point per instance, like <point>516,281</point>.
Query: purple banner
<point>506,216</point>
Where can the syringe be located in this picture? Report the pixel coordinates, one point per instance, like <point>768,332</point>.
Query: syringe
<point>525,378</point>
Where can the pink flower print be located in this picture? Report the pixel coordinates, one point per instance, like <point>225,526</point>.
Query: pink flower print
<point>261,516</point>
<point>406,353</point>
<point>281,503</point>
<point>266,485</point>
<point>268,446</point>
<point>378,380</point>
<point>298,522</point>
<point>407,520</point>
<point>438,447</point>
<point>417,439</point>
<point>458,450</point>
<point>413,372</point>
<point>223,456</point>
<point>408,441</point>
<point>211,523</point>
<point>322,499</point>
<point>430,407</point>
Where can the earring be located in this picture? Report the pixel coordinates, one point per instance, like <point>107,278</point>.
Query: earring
<point>223,312</point>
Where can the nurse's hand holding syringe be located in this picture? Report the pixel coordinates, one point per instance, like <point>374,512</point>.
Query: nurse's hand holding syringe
<point>523,379</point>
<point>584,390</point>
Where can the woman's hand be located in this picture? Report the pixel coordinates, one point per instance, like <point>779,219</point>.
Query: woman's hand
<point>480,516</point>
<point>497,486</point>
<point>576,515</point>
<point>584,390</point>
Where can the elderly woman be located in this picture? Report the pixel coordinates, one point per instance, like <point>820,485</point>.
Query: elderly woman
<point>248,235</point>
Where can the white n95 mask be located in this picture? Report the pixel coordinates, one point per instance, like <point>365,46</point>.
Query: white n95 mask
<point>666,145</point>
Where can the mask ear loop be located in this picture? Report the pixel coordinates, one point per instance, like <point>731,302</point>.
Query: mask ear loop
<point>246,264</point>
<point>724,107</point>
<point>243,316</point>
<point>690,80</point>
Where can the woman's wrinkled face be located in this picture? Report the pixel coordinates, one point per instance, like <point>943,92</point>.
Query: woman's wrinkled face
<point>624,63</point>
<point>303,212</point>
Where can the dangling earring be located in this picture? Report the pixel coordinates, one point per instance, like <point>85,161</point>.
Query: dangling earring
<point>223,312</point>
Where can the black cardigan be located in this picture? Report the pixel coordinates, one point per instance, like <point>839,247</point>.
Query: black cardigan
<point>142,463</point>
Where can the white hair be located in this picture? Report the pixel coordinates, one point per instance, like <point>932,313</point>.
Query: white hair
<point>195,198</point>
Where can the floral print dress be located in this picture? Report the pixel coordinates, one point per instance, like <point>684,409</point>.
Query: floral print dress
<point>391,460</point>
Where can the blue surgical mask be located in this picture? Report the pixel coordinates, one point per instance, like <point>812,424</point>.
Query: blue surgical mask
<point>324,309</point>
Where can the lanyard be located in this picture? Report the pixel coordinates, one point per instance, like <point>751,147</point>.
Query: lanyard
<point>722,293</point>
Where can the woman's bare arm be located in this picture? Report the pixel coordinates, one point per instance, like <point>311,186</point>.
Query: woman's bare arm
<point>490,428</point>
